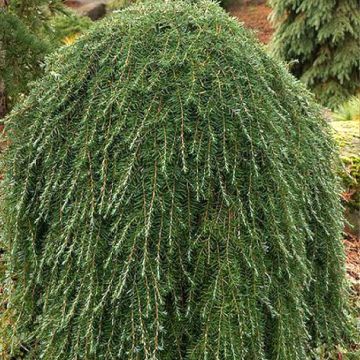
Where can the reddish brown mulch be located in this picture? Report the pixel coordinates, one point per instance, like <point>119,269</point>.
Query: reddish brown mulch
<point>352,248</point>
<point>254,15</point>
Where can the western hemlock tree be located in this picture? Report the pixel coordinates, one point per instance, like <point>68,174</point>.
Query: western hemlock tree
<point>169,195</point>
<point>324,38</point>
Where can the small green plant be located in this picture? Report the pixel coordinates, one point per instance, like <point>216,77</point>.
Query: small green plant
<point>68,26</point>
<point>350,110</point>
<point>119,4</point>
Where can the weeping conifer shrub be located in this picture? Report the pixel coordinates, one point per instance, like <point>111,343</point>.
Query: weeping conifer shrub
<point>169,195</point>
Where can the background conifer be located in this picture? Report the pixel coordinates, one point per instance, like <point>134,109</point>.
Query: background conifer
<point>323,37</point>
<point>24,42</point>
<point>169,196</point>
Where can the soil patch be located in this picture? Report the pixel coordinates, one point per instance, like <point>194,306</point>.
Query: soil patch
<point>254,15</point>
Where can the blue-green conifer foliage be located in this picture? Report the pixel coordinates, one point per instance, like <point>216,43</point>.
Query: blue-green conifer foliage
<point>170,195</point>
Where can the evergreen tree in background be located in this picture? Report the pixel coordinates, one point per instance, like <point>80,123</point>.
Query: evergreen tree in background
<point>23,45</point>
<point>323,37</point>
<point>169,195</point>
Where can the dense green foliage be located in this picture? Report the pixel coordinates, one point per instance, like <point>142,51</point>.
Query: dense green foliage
<point>324,38</point>
<point>23,43</point>
<point>169,196</point>
<point>68,26</point>
<point>349,110</point>
<point>15,70</point>
<point>118,4</point>
<point>115,5</point>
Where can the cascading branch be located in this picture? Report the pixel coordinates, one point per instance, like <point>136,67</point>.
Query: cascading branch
<point>169,196</point>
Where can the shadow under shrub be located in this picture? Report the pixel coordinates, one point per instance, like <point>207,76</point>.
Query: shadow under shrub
<point>169,196</point>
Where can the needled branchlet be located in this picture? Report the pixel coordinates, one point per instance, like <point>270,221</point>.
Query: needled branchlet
<point>170,195</point>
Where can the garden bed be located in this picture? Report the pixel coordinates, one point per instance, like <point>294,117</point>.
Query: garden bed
<point>254,14</point>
